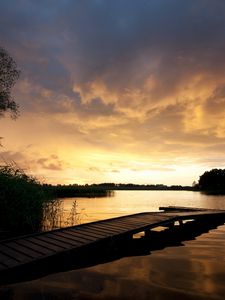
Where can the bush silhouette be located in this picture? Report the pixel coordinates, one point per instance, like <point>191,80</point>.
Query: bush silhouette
<point>213,180</point>
<point>8,76</point>
<point>22,199</point>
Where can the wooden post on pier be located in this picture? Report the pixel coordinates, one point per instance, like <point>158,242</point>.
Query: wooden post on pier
<point>180,222</point>
<point>147,233</point>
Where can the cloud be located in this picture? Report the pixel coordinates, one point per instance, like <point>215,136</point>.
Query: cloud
<point>51,163</point>
<point>215,103</point>
<point>138,78</point>
<point>10,156</point>
<point>25,159</point>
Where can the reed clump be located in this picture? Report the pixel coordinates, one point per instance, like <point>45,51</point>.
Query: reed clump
<point>56,216</point>
<point>22,200</point>
<point>53,215</point>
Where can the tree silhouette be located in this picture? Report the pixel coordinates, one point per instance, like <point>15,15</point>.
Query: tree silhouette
<point>213,180</point>
<point>8,76</point>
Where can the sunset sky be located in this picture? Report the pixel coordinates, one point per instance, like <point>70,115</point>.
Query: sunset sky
<point>116,90</point>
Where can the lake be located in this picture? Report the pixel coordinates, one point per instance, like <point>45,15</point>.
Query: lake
<point>194,269</point>
<point>131,202</point>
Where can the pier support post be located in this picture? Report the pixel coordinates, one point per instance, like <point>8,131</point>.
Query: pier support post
<point>180,222</point>
<point>171,225</point>
<point>147,233</point>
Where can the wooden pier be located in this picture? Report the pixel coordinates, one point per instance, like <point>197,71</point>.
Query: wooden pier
<point>27,251</point>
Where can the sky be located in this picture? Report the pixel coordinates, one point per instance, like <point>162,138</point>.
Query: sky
<point>116,90</point>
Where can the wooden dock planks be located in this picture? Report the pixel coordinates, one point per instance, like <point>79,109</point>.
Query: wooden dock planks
<point>28,249</point>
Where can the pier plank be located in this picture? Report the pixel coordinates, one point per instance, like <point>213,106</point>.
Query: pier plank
<point>30,245</point>
<point>62,237</point>
<point>54,241</point>
<point>91,232</point>
<point>83,237</point>
<point>24,250</point>
<point>14,253</point>
<point>45,244</point>
<point>7,261</point>
<point>100,229</point>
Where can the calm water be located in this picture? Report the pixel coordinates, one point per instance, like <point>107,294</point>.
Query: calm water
<point>195,270</point>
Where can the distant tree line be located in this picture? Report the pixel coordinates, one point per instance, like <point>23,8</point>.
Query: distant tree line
<point>75,190</point>
<point>156,187</point>
<point>211,181</point>
<point>105,189</point>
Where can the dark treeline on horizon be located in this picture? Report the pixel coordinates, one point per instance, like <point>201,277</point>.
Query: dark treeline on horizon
<point>104,189</point>
<point>212,182</point>
<point>132,186</point>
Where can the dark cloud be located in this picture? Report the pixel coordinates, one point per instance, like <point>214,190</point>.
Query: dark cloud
<point>119,42</point>
<point>215,104</point>
<point>11,156</point>
<point>49,163</point>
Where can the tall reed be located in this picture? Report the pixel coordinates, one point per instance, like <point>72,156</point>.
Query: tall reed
<point>55,215</point>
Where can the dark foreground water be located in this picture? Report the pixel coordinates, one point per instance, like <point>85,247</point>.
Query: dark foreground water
<point>193,270</point>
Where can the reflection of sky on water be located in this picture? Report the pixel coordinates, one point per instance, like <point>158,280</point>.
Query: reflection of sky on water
<point>195,271</point>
